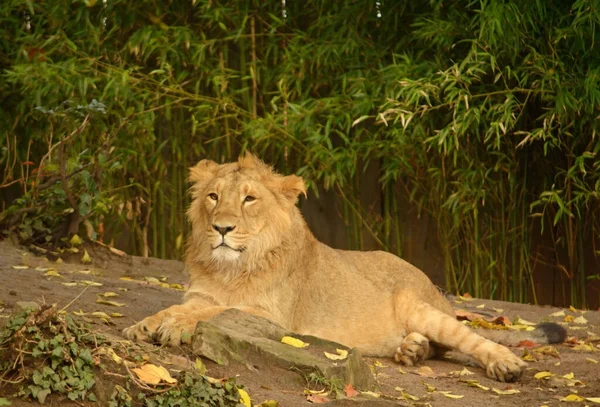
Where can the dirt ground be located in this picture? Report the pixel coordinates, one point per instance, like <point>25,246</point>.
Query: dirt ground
<point>152,284</point>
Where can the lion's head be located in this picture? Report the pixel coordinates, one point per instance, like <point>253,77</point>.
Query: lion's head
<point>240,212</point>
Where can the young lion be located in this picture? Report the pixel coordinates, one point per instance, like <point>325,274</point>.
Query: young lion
<point>251,249</point>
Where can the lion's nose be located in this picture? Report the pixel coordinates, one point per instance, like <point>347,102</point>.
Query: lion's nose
<point>223,230</point>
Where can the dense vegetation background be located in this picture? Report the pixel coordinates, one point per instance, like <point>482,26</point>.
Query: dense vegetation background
<point>484,114</point>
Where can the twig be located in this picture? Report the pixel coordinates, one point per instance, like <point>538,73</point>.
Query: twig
<point>75,299</point>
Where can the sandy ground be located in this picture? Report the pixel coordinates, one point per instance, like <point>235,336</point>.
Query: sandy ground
<point>141,295</point>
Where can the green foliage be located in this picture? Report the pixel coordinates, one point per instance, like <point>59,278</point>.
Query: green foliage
<point>47,354</point>
<point>482,113</point>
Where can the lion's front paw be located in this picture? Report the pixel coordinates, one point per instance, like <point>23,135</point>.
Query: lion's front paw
<point>506,367</point>
<point>414,349</point>
<point>176,329</point>
<point>145,330</point>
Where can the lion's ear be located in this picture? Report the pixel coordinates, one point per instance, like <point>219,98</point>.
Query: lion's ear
<point>291,187</point>
<point>203,171</point>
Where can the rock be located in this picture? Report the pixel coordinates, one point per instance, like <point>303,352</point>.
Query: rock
<point>236,336</point>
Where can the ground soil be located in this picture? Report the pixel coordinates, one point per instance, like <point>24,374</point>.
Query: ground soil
<point>142,298</point>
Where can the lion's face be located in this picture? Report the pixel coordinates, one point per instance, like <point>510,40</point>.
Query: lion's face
<point>240,211</point>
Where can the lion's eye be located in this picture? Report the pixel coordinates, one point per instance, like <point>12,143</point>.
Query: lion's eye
<point>213,196</point>
<point>249,198</point>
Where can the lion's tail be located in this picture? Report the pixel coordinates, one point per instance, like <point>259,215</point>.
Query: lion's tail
<point>545,333</point>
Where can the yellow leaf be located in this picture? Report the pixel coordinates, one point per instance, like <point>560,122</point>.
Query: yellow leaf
<point>341,354</point>
<point>480,306</point>
<point>547,350</point>
<point>520,321</point>
<point>451,396</point>
<point>113,303</point>
<point>90,283</point>
<point>509,391</point>
<point>593,399</point>
<point>572,308</point>
<point>116,315</point>
<point>580,320</point>
<point>52,273</point>
<point>296,343</point>
<point>425,371</point>
<point>85,259</point>
<point>109,294</point>
<point>465,298</point>
<point>584,347</point>
<point>592,360</point>
<point>498,310</point>
<point>370,394</point>
<point>244,398</point>
<point>76,240</point>
<point>475,383</point>
<point>569,318</point>
<point>200,367</point>
<point>269,403</point>
<point>560,313</point>
<point>178,241</point>
<point>543,375</point>
<point>403,372</point>
<point>569,376</point>
<point>20,267</point>
<point>152,374</point>
<point>101,315</point>
<point>177,286</point>
<point>378,364</point>
<point>69,284</point>
<point>110,352</point>
<point>59,261</point>
<point>126,278</point>
<point>152,280</point>
<point>429,387</point>
<point>572,397</point>
<point>86,271</point>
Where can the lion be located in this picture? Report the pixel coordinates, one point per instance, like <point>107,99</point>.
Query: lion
<point>251,249</point>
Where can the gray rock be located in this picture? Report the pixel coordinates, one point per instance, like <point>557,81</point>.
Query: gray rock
<point>236,336</point>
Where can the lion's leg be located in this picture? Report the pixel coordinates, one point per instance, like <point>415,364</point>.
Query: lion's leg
<point>415,348</point>
<point>500,363</point>
<point>177,323</point>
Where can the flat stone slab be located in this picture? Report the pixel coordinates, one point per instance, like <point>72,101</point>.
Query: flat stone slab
<point>237,336</point>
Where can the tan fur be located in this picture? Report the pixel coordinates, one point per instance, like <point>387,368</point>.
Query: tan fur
<point>274,267</point>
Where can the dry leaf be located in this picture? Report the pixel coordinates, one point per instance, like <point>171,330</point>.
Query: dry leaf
<point>475,383</point>
<point>152,374</point>
<point>200,367</point>
<point>113,303</point>
<point>509,391</point>
<point>593,399</point>
<point>480,307</point>
<point>572,308</point>
<point>20,267</point>
<point>569,318</point>
<point>519,321</point>
<point>317,399</point>
<point>296,343</point>
<point>69,284</point>
<point>176,286</point>
<point>403,372</point>
<point>109,294</point>
<point>450,395</point>
<point>569,376</point>
<point>378,364</point>
<point>341,355</point>
<point>425,371</point>
<point>76,240</point>
<point>86,271</point>
<point>40,268</point>
<point>350,391</point>
<point>429,387</point>
<point>126,278</point>
<point>547,350</point>
<point>244,398</point>
<point>558,314</point>
<point>152,280</point>
<point>580,320</point>
<point>572,397</point>
<point>116,315</point>
<point>370,394</point>
<point>85,259</point>
<point>52,273</point>
<point>592,360</point>
<point>90,283</point>
<point>498,310</point>
<point>543,375</point>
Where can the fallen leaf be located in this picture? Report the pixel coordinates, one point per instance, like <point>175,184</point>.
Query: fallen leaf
<point>580,320</point>
<point>126,278</point>
<point>86,271</point>
<point>341,354</point>
<point>350,391</point>
<point>41,268</point>
<point>498,310</point>
<point>527,344</point>
<point>116,358</point>
<point>425,371</point>
<point>572,308</point>
<point>200,367</point>
<point>584,347</point>
<point>403,372</point>
<point>109,294</point>
<point>20,267</point>
<point>461,373</point>
<point>592,360</point>
<point>429,387</point>
<point>59,261</point>
<point>592,399</point>
<point>90,283</point>
<point>370,394</point>
<point>547,350</point>
<point>102,315</point>
<point>558,314</point>
<point>52,273</point>
<point>269,403</point>
<point>76,240</point>
<point>572,397</point>
<point>378,364</point>
<point>152,374</point>
<point>519,321</point>
<point>569,376</point>
<point>508,391</point>
<point>73,284</point>
<point>462,315</point>
<point>479,306</point>
<point>543,375</point>
<point>85,259</point>
<point>296,343</point>
<point>244,398</point>
<point>475,383</point>
<point>569,318</point>
<point>450,395</point>
<point>152,280</point>
<point>317,399</point>
<point>113,303</point>
<point>117,251</point>
<point>176,286</point>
